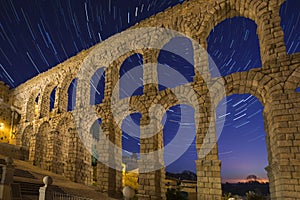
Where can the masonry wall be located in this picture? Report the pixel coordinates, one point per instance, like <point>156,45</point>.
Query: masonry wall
<point>53,139</point>
<point>5,113</point>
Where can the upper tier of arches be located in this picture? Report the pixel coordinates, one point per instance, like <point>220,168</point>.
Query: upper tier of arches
<point>270,40</point>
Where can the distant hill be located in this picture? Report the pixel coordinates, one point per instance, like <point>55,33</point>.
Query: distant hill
<point>242,188</point>
<point>185,175</point>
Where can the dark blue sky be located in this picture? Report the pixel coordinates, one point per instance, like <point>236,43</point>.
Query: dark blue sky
<point>37,35</point>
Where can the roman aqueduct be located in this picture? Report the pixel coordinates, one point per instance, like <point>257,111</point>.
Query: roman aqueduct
<point>52,136</point>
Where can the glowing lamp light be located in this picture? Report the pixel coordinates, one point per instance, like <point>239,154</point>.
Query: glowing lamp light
<point>1,126</point>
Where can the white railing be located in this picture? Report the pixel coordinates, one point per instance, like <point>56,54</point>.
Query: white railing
<point>46,194</point>
<point>60,196</point>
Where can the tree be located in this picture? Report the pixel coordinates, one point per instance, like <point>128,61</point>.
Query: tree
<point>253,196</point>
<point>252,178</point>
<point>175,194</point>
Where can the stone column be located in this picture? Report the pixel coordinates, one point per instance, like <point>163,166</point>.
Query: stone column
<point>151,166</point>
<point>32,148</point>
<point>150,78</point>
<point>103,172</point>
<point>109,169</point>
<point>208,164</point>
<point>209,179</point>
<point>282,118</point>
<point>270,33</point>
<point>201,66</point>
<point>70,168</point>
<point>151,169</point>
<point>272,170</point>
<point>112,76</point>
<point>84,167</point>
<point>117,159</point>
<point>48,163</point>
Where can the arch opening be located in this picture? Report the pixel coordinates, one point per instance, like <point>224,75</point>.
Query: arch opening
<point>97,85</point>
<point>131,149</point>
<point>72,94</point>
<point>131,140</point>
<point>52,99</point>
<point>231,52</point>
<point>36,105</point>
<point>179,134</point>
<point>47,100</point>
<point>290,25</point>
<point>131,76</point>
<point>95,137</point>
<point>175,63</point>
<point>242,146</point>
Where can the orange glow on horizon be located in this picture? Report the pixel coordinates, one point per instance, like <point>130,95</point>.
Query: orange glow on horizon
<point>243,180</point>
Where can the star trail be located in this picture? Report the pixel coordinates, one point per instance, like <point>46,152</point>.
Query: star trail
<point>37,35</point>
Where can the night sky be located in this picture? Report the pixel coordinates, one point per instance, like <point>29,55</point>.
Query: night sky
<point>38,34</point>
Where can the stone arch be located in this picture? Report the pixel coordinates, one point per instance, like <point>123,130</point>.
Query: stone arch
<point>32,106</point>
<point>254,83</point>
<point>267,84</point>
<point>45,101</point>
<point>258,11</point>
<point>113,76</point>
<point>121,59</point>
<point>136,105</point>
<point>26,136</point>
<point>122,108</point>
<point>63,95</point>
<point>293,81</point>
<point>166,99</point>
<point>235,84</point>
<point>41,145</point>
<point>99,56</point>
<point>61,146</point>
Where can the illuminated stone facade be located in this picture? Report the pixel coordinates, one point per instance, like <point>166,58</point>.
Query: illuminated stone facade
<point>5,113</point>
